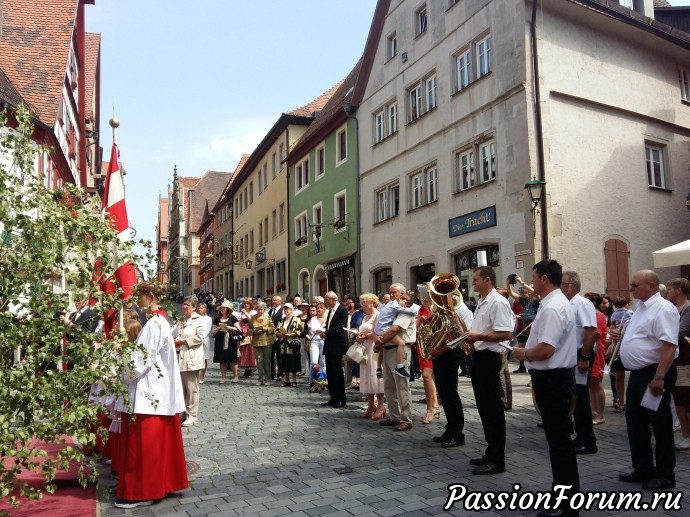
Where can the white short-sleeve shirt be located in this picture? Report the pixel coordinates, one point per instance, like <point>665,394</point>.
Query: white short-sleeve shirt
<point>493,314</point>
<point>555,326</point>
<point>655,320</point>
<point>585,316</point>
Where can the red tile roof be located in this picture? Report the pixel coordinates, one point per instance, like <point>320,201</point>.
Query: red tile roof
<point>205,195</point>
<point>34,48</point>
<point>92,43</point>
<point>333,112</point>
<point>317,104</point>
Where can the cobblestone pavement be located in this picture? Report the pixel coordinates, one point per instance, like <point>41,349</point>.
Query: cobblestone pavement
<point>270,451</point>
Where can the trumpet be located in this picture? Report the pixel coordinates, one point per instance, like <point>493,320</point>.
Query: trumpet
<point>616,349</point>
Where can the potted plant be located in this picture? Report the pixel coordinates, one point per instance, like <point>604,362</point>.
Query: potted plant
<point>269,290</point>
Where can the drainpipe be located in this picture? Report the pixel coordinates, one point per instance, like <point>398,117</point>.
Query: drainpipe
<point>540,135</point>
<point>358,258</point>
<point>288,265</point>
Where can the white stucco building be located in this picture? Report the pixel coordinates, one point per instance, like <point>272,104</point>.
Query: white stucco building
<point>452,125</point>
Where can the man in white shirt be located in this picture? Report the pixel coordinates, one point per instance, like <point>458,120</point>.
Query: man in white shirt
<point>550,355</point>
<point>397,388</point>
<point>492,327</point>
<point>586,336</point>
<point>648,349</point>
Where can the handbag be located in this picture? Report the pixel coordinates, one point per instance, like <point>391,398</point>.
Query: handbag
<point>295,345</point>
<point>357,353</point>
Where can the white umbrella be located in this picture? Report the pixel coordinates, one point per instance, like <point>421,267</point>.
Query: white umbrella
<point>676,255</point>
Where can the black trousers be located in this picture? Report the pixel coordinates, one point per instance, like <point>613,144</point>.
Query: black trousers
<point>276,359</point>
<point>486,384</point>
<point>446,377</point>
<point>584,428</point>
<point>552,391</point>
<point>639,420</point>
<point>336,378</point>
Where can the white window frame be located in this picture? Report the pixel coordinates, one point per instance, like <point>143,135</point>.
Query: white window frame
<point>379,126</point>
<point>463,68</point>
<point>684,82</point>
<point>655,157</point>
<point>391,46</point>
<point>421,18</point>
<point>340,146</point>
<point>475,165</point>
<point>301,228</point>
<point>392,117</point>
<point>387,202</point>
<point>424,102</point>
<point>430,92</point>
<point>483,56</point>
<point>320,161</point>
<point>464,170</point>
<point>301,175</point>
<point>423,187</point>
<point>336,208</point>
<point>317,217</point>
<point>487,161</point>
<point>414,96</point>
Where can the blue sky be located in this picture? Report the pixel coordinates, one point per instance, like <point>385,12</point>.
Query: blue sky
<point>198,84</point>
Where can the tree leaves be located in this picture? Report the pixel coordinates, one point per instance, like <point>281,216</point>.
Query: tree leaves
<point>50,242</point>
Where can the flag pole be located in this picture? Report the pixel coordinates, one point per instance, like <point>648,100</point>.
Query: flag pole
<point>115,123</point>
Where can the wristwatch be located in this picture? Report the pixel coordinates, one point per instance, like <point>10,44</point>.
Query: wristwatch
<point>585,357</point>
<point>658,377</point>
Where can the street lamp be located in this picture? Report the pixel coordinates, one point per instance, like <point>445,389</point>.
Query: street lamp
<point>535,189</point>
<point>248,264</point>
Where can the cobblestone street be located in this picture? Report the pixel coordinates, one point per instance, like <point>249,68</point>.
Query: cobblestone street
<point>272,451</point>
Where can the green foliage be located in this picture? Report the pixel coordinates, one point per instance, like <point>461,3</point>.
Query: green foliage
<point>50,241</point>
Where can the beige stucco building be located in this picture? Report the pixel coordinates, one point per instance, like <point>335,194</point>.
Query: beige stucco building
<point>452,126</point>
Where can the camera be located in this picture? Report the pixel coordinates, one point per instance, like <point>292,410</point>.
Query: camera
<point>511,279</point>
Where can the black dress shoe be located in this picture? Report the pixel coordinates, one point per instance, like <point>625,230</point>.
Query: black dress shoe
<point>659,483</point>
<point>488,468</point>
<point>584,449</point>
<point>328,403</point>
<point>637,476</point>
<point>478,461</point>
<point>454,441</point>
<point>447,435</point>
<point>338,405</point>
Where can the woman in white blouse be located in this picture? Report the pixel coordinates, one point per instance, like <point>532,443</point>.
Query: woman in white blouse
<point>316,324</point>
<point>208,321</point>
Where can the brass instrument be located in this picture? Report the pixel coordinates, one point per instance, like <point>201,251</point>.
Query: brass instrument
<point>446,298</point>
<point>616,349</point>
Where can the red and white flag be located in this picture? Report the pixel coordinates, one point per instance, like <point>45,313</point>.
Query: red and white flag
<point>121,272</point>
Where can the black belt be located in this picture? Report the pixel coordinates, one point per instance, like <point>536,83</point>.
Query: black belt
<point>534,371</point>
<point>388,347</point>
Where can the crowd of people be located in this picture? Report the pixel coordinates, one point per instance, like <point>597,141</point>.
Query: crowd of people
<point>566,341</point>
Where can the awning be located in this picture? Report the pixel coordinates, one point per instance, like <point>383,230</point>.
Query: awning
<point>676,255</point>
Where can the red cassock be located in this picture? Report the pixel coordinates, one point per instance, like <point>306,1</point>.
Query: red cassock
<point>158,441</point>
<point>150,452</point>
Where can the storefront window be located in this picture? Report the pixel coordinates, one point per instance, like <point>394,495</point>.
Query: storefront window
<point>466,261</point>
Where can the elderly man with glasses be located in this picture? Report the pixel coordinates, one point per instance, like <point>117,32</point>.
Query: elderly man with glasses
<point>649,347</point>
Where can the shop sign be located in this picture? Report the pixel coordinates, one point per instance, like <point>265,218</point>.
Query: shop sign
<point>468,223</point>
